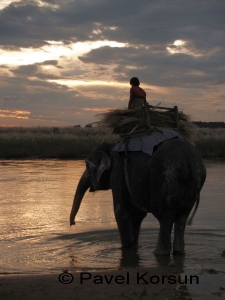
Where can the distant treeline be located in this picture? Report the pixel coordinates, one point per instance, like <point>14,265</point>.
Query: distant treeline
<point>210,124</point>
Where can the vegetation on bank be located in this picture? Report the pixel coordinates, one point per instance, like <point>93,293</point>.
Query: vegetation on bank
<point>211,142</point>
<point>76,142</point>
<point>210,124</point>
<point>51,142</point>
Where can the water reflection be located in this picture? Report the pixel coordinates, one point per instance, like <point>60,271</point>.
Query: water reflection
<point>130,258</point>
<point>36,198</point>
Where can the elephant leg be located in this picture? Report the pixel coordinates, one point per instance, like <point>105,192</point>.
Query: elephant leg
<point>137,218</point>
<point>164,238</point>
<point>129,223</point>
<point>179,229</point>
<point>123,219</point>
<point>128,216</point>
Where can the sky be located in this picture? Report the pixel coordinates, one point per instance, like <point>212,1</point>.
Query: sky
<point>63,62</point>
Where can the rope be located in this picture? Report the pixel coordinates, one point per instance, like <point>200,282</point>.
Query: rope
<point>125,167</point>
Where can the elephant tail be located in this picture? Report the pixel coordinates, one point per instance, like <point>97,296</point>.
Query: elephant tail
<point>190,220</point>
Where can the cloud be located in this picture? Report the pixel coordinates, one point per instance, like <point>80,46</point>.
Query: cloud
<point>18,114</point>
<point>220,82</point>
<point>61,60</point>
<point>29,69</point>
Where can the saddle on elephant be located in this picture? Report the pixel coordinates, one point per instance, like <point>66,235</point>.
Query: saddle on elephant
<point>149,121</point>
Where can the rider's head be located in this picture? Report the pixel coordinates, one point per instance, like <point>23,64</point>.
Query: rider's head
<point>134,81</point>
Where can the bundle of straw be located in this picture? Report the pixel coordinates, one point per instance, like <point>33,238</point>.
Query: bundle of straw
<point>124,121</point>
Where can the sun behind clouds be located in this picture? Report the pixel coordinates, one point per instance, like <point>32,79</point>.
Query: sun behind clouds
<point>5,3</point>
<point>53,50</point>
<point>181,46</point>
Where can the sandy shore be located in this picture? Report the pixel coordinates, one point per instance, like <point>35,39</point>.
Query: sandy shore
<point>152,283</point>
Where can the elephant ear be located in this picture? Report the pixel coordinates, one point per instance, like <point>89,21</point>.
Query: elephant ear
<point>104,164</point>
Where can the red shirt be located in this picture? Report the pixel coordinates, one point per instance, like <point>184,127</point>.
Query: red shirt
<point>137,92</point>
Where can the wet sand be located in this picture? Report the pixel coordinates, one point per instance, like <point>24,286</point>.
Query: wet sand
<point>169,283</point>
<point>150,283</point>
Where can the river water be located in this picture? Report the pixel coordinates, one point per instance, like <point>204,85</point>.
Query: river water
<point>35,202</point>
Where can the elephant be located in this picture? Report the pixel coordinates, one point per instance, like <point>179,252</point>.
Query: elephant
<point>166,184</point>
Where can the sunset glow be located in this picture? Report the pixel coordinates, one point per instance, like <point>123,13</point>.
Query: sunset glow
<point>179,47</point>
<point>14,114</point>
<point>71,83</point>
<point>5,3</point>
<point>61,61</point>
<point>53,50</point>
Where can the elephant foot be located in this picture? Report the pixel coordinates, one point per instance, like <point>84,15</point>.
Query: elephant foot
<point>129,246</point>
<point>161,252</point>
<point>178,252</point>
<point>135,246</point>
<point>162,249</point>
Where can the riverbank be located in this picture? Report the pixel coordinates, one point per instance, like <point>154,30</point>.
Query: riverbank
<point>76,143</point>
<point>148,283</point>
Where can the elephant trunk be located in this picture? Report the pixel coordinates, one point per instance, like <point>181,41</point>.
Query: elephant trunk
<point>82,187</point>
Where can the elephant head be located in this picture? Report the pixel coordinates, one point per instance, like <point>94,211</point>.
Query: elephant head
<point>95,177</point>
